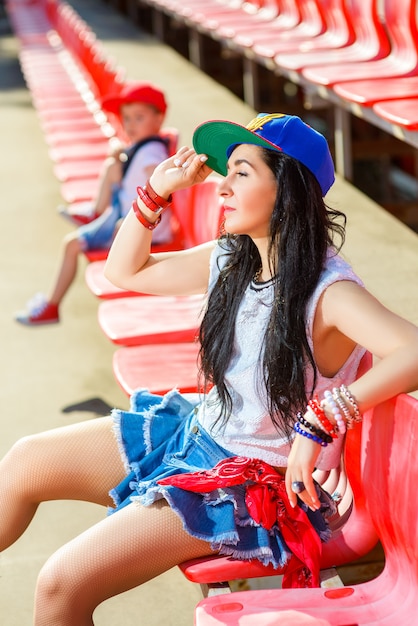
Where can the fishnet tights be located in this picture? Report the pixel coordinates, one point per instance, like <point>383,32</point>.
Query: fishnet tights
<point>82,462</point>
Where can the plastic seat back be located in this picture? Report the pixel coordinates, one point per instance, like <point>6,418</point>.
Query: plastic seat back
<point>172,137</point>
<point>324,24</point>
<point>390,471</point>
<point>389,475</point>
<point>182,208</point>
<point>371,43</point>
<point>400,20</point>
<point>207,211</point>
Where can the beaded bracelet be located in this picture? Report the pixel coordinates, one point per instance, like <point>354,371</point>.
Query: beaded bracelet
<point>297,428</point>
<point>322,418</point>
<point>141,217</point>
<point>152,200</point>
<point>347,393</point>
<point>314,417</point>
<point>317,431</point>
<point>335,409</point>
<point>336,394</point>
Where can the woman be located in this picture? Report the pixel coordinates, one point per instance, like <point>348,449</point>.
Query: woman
<point>286,325</point>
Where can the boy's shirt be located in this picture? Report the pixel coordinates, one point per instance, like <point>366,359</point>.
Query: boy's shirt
<point>152,153</point>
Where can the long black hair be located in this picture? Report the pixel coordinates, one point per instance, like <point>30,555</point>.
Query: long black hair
<point>302,230</point>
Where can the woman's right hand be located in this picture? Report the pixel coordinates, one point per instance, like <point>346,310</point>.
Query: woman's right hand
<point>184,169</point>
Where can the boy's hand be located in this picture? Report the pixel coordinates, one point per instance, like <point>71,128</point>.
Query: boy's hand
<point>184,169</point>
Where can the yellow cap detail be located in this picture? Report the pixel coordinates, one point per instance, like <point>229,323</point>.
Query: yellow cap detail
<point>258,122</point>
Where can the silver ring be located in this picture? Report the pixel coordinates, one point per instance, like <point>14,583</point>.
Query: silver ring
<point>298,486</point>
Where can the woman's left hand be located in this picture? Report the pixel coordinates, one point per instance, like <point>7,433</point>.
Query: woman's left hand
<point>184,169</point>
<point>301,464</point>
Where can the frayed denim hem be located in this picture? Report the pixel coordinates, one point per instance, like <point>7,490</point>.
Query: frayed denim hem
<point>116,415</point>
<point>261,554</point>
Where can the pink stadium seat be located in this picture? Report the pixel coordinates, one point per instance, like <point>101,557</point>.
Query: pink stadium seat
<point>313,23</point>
<point>267,13</point>
<point>401,61</point>
<point>79,150</point>
<point>402,112</point>
<point>369,92</point>
<point>100,286</point>
<point>196,11</point>
<point>388,475</point>
<point>288,16</point>
<point>151,319</point>
<point>291,15</point>
<point>216,20</point>
<point>158,368</point>
<point>76,170</point>
<point>339,34</point>
<point>371,42</point>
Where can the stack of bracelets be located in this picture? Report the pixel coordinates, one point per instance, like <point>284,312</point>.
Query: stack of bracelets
<point>345,412</point>
<point>153,202</point>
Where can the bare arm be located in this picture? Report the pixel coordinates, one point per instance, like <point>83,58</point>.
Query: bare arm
<point>356,314</point>
<point>130,264</point>
<point>349,313</point>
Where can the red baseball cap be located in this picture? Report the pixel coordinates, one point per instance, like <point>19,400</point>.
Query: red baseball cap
<point>135,92</point>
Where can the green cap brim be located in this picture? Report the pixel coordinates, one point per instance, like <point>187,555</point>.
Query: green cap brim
<point>214,138</point>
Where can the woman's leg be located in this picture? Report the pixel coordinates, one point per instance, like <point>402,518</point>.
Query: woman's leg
<point>121,552</point>
<point>79,462</point>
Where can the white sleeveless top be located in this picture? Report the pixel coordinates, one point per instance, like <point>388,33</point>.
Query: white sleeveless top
<point>249,430</point>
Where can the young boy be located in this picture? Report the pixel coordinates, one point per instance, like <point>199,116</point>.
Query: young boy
<point>141,108</point>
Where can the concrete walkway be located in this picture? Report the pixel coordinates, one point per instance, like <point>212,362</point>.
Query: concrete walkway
<point>53,376</point>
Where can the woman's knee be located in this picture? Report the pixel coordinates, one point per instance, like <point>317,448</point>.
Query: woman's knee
<point>27,467</point>
<point>59,597</point>
<point>21,453</point>
<point>52,583</point>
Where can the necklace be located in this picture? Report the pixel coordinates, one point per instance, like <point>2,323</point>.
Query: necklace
<point>257,284</point>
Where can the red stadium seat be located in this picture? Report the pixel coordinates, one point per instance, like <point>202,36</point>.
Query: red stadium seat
<point>401,61</point>
<point>388,477</point>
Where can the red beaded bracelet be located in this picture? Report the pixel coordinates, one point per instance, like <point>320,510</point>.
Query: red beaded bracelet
<point>152,200</point>
<point>141,217</point>
<point>320,414</point>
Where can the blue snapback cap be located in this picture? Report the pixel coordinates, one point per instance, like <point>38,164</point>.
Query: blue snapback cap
<point>276,131</point>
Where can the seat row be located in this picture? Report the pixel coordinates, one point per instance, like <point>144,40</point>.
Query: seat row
<point>358,56</point>
<point>67,74</point>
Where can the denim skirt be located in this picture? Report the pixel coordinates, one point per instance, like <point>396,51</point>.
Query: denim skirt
<point>160,437</point>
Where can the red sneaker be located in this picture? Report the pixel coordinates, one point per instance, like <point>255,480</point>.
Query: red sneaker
<point>39,311</point>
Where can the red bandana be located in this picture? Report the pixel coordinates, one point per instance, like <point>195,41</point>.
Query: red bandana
<point>267,504</point>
